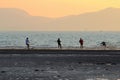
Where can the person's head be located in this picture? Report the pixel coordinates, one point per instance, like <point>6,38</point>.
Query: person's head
<point>27,38</point>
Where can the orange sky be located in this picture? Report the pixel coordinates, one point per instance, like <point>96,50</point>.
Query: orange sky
<point>59,8</point>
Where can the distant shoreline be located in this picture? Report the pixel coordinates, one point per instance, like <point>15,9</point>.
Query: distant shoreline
<point>55,48</point>
<point>61,51</point>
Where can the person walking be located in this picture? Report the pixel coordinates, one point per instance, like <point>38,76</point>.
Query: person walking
<point>59,43</point>
<point>81,42</point>
<point>27,43</point>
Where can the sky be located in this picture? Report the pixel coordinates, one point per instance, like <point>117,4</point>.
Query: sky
<point>59,8</point>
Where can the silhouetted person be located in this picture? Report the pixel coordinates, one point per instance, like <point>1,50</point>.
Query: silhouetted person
<point>27,43</point>
<point>81,42</point>
<point>59,43</point>
<point>103,44</point>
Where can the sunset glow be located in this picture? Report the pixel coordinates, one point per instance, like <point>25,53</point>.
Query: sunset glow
<point>60,15</point>
<point>59,8</point>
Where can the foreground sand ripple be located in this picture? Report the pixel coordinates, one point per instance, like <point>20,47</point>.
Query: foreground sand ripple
<point>59,65</point>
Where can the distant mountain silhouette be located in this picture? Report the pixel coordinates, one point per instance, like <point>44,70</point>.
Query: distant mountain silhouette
<point>16,19</point>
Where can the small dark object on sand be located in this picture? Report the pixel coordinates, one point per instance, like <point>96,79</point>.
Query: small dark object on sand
<point>106,69</point>
<point>100,63</point>
<point>52,68</point>
<point>42,70</point>
<point>3,71</point>
<point>36,70</point>
<point>113,64</point>
<point>58,76</point>
<point>79,62</point>
<point>71,69</point>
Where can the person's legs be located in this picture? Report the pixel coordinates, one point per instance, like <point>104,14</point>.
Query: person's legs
<point>81,45</point>
<point>60,46</point>
<point>28,46</point>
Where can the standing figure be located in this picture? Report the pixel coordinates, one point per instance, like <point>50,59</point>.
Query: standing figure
<point>59,43</point>
<point>27,43</point>
<point>81,42</point>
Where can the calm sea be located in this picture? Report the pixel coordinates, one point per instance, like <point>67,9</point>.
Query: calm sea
<point>48,39</point>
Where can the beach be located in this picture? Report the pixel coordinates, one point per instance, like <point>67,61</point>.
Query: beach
<point>57,64</point>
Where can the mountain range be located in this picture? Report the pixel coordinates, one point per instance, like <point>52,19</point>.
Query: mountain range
<point>17,19</point>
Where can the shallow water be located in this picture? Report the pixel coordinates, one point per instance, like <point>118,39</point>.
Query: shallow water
<point>48,39</point>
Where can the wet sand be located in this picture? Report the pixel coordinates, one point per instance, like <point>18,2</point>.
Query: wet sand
<point>55,64</point>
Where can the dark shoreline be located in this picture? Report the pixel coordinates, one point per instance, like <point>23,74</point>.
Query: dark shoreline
<point>60,51</point>
<point>92,56</point>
